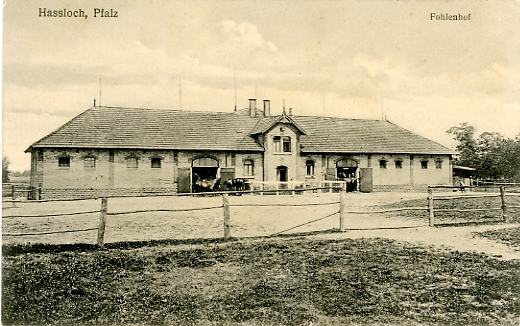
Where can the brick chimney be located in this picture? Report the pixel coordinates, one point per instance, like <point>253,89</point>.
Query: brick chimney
<point>252,107</point>
<point>267,108</point>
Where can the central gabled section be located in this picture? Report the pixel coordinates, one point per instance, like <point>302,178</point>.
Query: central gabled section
<point>280,137</point>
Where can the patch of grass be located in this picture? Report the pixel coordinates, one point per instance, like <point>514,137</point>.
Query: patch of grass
<point>509,236</point>
<point>268,282</point>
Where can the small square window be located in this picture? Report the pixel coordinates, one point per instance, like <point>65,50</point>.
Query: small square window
<point>156,163</point>
<point>131,162</point>
<point>424,164</point>
<point>89,162</point>
<point>64,162</point>
<point>398,164</point>
<point>438,164</point>
<point>382,164</point>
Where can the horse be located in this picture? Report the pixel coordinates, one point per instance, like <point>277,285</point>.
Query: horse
<point>205,185</point>
<point>236,184</point>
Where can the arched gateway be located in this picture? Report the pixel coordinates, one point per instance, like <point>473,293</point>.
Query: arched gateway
<point>204,171</point>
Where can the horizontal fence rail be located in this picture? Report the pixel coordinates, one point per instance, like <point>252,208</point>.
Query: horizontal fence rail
<point>465,197</point>
<point>44,233</point>
<point>208,193</point>
<point>284,205</point>
<point>51,215</point>
<point>54,200</point>
<point>467,209</point>
<point>499,184</point>
<point>389,210</point>
<point>165,210</point>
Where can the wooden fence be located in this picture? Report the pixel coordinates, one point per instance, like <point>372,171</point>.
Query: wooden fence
<point>16,190</point>
<point>103,211</point>
<point>343,212</point>
<point>503,207</point>
<point>485,185</point>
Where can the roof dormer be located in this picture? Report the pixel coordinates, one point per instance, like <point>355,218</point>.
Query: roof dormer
<point>267,123</point>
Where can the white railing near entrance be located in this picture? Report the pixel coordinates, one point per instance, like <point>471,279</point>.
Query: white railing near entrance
<point>276,187</point>
<point>333,186</point>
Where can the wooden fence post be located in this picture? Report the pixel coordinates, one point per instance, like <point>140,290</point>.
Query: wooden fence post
<point>227,227</point>
<point>13,195</point>
<point>430,207</point>
<point>504,205</point>
<point>342,206</point>
<point>102,222</point>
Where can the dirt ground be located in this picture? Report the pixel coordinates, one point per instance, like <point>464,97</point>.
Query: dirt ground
<point>251,216</point>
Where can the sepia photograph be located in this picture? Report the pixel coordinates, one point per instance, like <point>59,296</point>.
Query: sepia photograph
<point>260,162</point>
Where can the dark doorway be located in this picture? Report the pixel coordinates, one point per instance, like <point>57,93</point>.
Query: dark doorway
<point>204,174</point>
<point>346,171</point>
<point>281,174</point>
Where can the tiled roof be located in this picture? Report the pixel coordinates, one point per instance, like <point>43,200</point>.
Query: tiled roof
<point>264,124</point>
<point>112,127</point>
<point>325,134</point>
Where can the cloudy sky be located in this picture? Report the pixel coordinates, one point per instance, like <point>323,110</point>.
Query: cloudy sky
<point>353,59</point>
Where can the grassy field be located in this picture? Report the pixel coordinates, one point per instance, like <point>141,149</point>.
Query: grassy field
<point>511,236</point>
<point>280,281</point>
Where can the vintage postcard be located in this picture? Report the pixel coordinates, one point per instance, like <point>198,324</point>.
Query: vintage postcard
<point>274,162</point>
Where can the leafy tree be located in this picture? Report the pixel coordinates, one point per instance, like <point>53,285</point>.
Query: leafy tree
<point>5,169</point>
<point>467,146</point>
<point>491,154</point>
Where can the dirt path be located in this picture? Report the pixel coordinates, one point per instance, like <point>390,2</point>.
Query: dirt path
<point>454,238</point>
<point>451,238</point>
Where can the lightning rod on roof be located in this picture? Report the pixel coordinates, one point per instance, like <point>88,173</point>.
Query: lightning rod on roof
<point>99,90</point>
<point>324,107</point>
<point>382,109</point>
<point>180,93</point>
<point>235,82</point>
